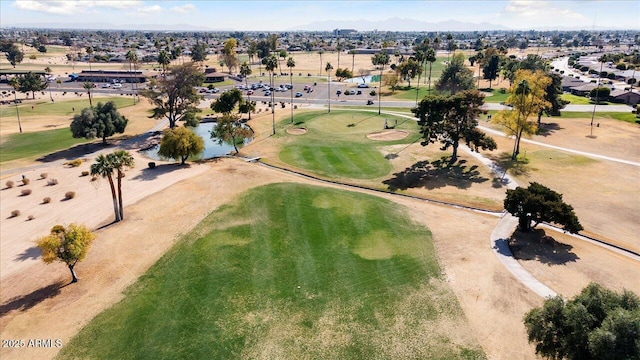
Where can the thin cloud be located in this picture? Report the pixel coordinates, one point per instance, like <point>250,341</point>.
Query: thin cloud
<point>186,8</point>
<point>153,9</point>
<point>66,7</point>
<point>539,8</point>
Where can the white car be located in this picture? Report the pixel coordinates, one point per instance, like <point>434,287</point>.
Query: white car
<point>117,86</point>
<point>363,86</point>
<point>106,86</point>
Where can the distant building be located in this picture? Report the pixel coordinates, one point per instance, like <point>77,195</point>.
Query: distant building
<point>341,32</point>
<point>110,75</point>
<point>631,97</point>
<point>212,76</point>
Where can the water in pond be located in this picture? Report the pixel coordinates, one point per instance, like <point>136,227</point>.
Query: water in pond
<point>367,79</point>
<point>211,146</point>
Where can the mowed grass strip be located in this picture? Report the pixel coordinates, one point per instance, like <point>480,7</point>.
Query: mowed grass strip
<point>336,144</point>
<point>33,144</point>
<point>60,107</point>
<point>289,271</point>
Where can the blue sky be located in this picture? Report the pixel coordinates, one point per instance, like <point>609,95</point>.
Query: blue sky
<point>284,15</point>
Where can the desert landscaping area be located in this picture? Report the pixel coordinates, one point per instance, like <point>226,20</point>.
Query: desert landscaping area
<point>380,225</point>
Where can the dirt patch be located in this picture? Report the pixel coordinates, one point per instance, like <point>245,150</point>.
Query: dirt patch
<point>297,131</point>
<point>388,135</point>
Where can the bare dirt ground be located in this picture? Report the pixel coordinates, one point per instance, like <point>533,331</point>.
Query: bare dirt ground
<point>388,135</point>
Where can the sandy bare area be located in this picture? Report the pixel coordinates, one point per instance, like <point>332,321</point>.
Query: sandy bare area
<point>388,135</point>
<point>297,131</point>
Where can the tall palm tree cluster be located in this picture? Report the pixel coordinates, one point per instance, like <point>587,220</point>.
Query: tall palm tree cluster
<point>106,166</point>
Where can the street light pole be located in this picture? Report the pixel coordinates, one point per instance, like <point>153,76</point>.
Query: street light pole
<point>593,113</point>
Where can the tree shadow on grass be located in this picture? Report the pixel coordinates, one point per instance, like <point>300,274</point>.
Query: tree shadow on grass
<point>547,129</point>
<point>31,253</point>
<point>74,152</point>
<point>437,174</point>
<point>26,302</point>
<point>514,167</point>
<point>538,246</point>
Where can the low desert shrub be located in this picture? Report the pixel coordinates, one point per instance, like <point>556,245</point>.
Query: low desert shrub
<point>44,175</point>
<point>69,195</point>
<point>25,192</point>
<point>25,181</point>
<point>85,173</point>
<point>94,178</point>
<point>74,163</point>
<point>15,213</point>
<point>30,217</point>
<point>9,184</point>
<point>46,200</point>
<point>52,182</point>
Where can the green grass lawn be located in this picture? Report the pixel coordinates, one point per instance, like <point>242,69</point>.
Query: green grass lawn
<point>336,145</point>
<point>622,116</point>
<point>496,96</point>
<point>46,107</point>
<point>575,100</point>
<point>288,271</point>
<point>34,144</point>
<point>406,93</point>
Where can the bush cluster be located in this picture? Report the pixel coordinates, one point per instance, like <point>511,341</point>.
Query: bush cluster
<point>69,195</point>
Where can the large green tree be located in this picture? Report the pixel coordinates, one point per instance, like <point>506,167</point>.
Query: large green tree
<point>229,129</point>
<point>491,69</point>
<point>180,143</point>
<point>164,60</point>
<point>455,76</point>
<point>598,324</point>
<point>31,82</point>
<point>66,244</point>
<point>537,203</point>
<point>449,119</point>
<point>100,121</point>
<point>199,52</point>
<point>14,55</point>
<point>174,96</point>
<point>409,69</point>
<point>227,102</point>
<point>245,71</point>
<point>552,94</point>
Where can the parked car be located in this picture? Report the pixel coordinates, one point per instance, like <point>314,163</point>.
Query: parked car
<point>307,87</point>
<point>369,102</point>
<point>338,92</point>
<point>349,92</point>
<point>298,94</point>
<point>359,92</point>
<point>249,92</point>
<point>117,86</point>
<point>267,93</point>
<point>107,85</point>
<point>363,86</point>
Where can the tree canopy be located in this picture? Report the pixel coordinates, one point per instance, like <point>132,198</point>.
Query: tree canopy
<point>68,245</point>
<point>199,52</point>
<point>448,119</point>
<point>180,143</point>
<point>13,54</point>
<point>227,102</point>
<point>527,96</point>
<point>175,96</point>
<point>597,324</point>
<point>491,69</point>
<point>538,203</point>
<point>230,130</point>
<point>31,82</point>
<point>456,76</point>
<point>101,121</point>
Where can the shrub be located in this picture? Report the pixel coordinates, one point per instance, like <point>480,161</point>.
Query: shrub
<point>69,195</point>
<point>621,66</point>
<point>152,165</point>
<point>46,200</point>
<point>30,217</point>
<point>44,175</point>
<point>503,91</point>
<point>15,213</point>
<point>25,192</point>
<point>611,76</point>
<point>74,163</point>
<point>94,178</point>
<point>631,81</point>
<point>52,182</point>
<point>9,184</point>
<point>85,173</point>
<point>25,181</point>
<point>372,93</point>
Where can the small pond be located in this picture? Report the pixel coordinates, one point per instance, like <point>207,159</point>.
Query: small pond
<point>212,148</point>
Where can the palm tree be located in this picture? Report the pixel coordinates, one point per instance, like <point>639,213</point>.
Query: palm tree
<point>320,52</point>
<point>104,167</point>
<point>245,71</point>
<point>430,57</point>
<point>89,86</point>
<point>479,60</point>
<point>380,59</point>
<point>328,69</point>
<point>89,53</point>
<point>132,57</point>
<point>419,56</point>
<point>353,58</point>
<point>291,64</point>
<point>15,84</point>
<point>339,50</point>
<point>121,161</point>
<point>270,63</point>
<point>164,60</point>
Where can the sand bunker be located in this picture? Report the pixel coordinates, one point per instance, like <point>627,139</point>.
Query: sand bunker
<point>388,135</point>
<point>297,131</point>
